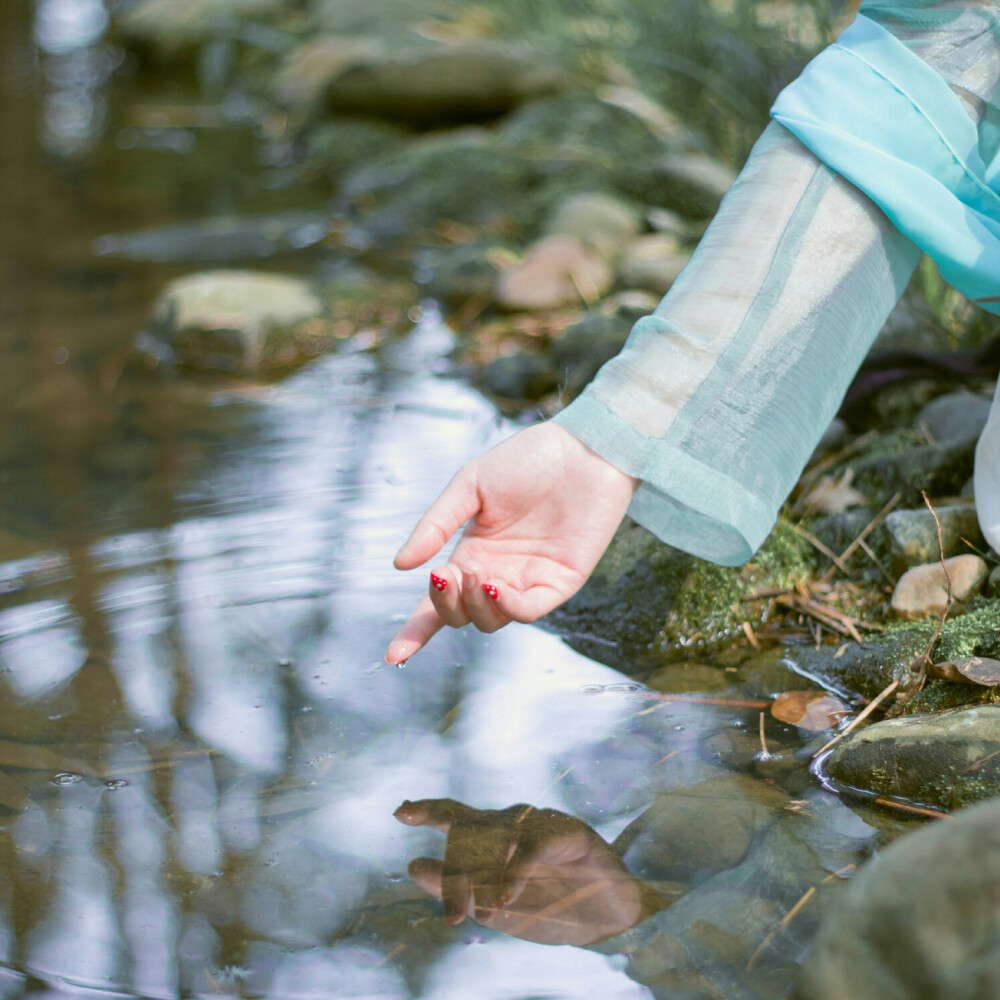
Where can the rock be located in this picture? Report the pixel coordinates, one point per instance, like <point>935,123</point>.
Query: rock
<point>913,534</point>
<point>588,344</point>
<point>373,17</point>
<point>556,271</point>
<point>895,462</point>
<point>312,66</point>
<point>691,183</point>
<point>690,833</point>
<point>240,321</point>
<point>519,376</point>
<point>459,175</point>
<point>646,603</point>
<point>599,221</point>
<point>220,239</point>
<point>437,83</point>
<point>337,145</point>
<point>923,590</point>
<point>942,759</point>
<point>506,182</point>
<point>867,668</point>
<point>465,274</point>
<point>173,26</point>
<point>921,920</point>
<point>956,417</point>
<point>652,262</point>
<point>993,583</point>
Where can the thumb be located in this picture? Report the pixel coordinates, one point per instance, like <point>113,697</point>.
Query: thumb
<point>457,503</point>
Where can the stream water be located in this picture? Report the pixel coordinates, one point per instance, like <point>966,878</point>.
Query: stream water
<point>200,747</point>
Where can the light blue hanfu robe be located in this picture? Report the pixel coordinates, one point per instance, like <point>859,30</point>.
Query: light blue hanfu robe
<point>886,147</point>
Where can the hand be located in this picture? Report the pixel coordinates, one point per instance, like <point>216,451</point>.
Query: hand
<point>543,507</point>
<point>536,874</point>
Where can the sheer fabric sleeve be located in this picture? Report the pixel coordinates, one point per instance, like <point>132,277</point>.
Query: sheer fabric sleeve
<point>718,398</point>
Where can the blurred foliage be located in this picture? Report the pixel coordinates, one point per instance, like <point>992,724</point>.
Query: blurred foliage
<point>716,63</point>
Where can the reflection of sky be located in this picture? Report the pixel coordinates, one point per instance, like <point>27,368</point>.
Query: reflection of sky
<point>262,742</point>
<point>75,65</point>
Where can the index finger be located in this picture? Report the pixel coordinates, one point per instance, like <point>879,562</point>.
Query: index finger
<point>424,622</point>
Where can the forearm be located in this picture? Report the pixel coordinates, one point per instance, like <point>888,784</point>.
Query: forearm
<point>719,397</point>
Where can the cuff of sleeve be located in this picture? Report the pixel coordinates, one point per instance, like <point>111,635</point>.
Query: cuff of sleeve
<point>685,503</point>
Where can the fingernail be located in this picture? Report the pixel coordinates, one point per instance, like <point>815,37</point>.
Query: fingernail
<point>439,583</point>
<point>491,591</point>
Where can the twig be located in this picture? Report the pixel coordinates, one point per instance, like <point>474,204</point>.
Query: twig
<point>927,660</point>
<point>872,525</point>
<point>763,742</point>
<point>699,700</point>
<point>817,544</point>
<point>786,920</point>
<point>868,551</point>
<point>915,810</point>
<point>860,717</point>
<point>751,635</point>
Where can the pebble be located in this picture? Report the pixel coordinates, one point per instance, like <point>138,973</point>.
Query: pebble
<point>913,534</point>
<point>556,271</point>
<point>652,262</point>
<point>923,590</point>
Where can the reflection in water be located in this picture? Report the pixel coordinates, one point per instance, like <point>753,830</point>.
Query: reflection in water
<point>202,748</point>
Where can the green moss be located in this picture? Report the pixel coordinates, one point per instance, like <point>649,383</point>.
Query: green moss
<point>710,601</point>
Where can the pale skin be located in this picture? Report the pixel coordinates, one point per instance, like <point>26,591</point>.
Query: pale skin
<point>541,509</point>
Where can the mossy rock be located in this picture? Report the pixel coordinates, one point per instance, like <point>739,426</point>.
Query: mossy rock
<point>647,603</point>
<point>945,759</point>
<point>338,145</point>
<point>507,180</point>
<point>901,462</point>
<point>868,668</point>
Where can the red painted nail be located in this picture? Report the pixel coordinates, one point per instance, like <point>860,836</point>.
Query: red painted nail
<point>491,591</point>
<point>438,582</point>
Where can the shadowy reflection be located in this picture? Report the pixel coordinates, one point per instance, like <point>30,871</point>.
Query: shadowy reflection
<point>536,874</point>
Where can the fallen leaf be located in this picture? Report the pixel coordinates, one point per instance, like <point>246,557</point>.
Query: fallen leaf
<point>834,496</point>
<point>968,670</point>
<point>812,710</point>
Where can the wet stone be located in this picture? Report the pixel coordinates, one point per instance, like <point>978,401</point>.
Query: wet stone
<point>923,590</point>
<point>921,920</point>
<point>945,759</point>
<point>240,320</point>
<point>913,536</point>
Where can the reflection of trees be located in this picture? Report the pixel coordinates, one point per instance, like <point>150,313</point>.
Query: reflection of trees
<point>193,782</point>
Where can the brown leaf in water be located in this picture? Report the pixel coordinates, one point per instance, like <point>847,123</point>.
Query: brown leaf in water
<point>834,496</point>
<point>968,670</point>
<point>812,710</point>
